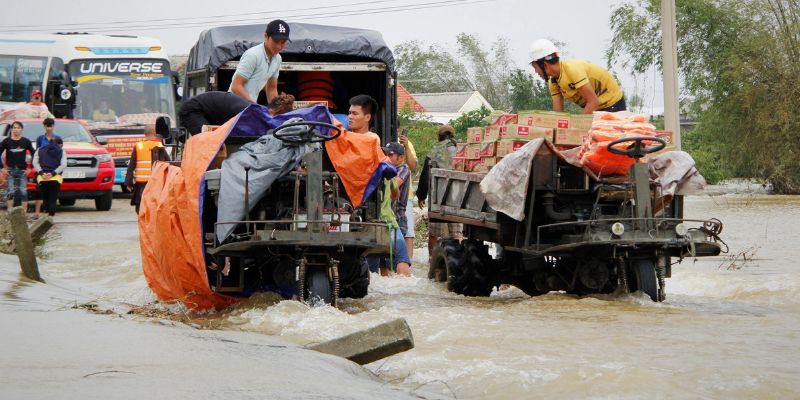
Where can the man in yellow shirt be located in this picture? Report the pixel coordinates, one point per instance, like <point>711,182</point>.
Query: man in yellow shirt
<point>585,84</point>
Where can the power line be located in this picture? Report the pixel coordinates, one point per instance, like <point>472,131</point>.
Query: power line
<point>300,17</point>
<point>115,23</point>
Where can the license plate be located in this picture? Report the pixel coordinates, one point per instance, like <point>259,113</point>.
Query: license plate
<point>74,174</point>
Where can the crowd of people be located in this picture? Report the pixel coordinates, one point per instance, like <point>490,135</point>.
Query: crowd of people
<point>48,161</point>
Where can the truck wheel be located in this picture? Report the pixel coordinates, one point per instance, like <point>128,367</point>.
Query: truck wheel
<point>103,202</point>
<point>66,202</point>
<point>357,284</point>
<point>470,277</point>
<point>318,287</point>
<point>445,252</point>
<point>642,277</point>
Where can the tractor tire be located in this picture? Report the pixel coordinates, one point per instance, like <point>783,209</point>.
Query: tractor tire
<point>642,277</point>
<point>356,285</point>
<point>468,274</point>
<point>318,287</point>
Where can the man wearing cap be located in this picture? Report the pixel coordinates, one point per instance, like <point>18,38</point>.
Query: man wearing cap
<point>259,66</point>
<point>36,98</point>
<point>395,196</point>
<point>441,156</point>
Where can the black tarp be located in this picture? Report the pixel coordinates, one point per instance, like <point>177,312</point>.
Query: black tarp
<point>219,45</point>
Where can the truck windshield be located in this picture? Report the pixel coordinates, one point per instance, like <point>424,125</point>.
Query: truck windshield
<point>123,91</point>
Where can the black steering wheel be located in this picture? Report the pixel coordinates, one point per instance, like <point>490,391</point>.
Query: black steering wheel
<point>309,136</point>
<point>637,149</point>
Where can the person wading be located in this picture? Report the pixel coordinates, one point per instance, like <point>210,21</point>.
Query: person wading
<point>141,164</point>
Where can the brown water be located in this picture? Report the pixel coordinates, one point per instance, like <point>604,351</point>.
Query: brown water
<point>728,329</point>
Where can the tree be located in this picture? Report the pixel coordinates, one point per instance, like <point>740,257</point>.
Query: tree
<point>528,93</point>
<point>738,59</point>
<point>468,120</point>
<point>429,70</point>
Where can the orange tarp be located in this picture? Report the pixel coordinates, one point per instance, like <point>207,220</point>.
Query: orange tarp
<point>356,158</point>
<point>170,231</point>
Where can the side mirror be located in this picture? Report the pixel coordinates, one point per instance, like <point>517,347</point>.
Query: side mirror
<point>102,140</point>
<point>162,127</point>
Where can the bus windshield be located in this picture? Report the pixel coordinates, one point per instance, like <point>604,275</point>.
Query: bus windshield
<point>123,90</point>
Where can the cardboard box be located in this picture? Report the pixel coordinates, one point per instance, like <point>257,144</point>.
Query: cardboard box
<point>487,149</point>
<point>473,151</point>
<point>503,119</point>
<point>570,137</point>
<point>581,121</point>
<point>544,119</point>
<point>526,132</point>
<point>474,135</point>
<point>458,163</point>
<point>493,133</point>
<point>461,150</point>
<point>506,147</point>
<point>471,165</point>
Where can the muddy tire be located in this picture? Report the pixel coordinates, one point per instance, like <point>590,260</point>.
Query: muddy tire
<point>446,251</point>
<point>318,287</point>
<point>357,284</point>
<point>469,274</point>
<point>642,277</point>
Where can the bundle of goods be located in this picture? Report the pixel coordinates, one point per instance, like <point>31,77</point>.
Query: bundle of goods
<point>607,127</point>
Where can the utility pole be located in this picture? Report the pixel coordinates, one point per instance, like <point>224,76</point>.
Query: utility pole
<point>669,56</point>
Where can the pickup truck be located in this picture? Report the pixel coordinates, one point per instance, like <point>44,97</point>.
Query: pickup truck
<point>90,168</point>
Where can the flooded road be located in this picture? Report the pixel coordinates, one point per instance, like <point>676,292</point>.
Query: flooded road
<point>730,327</point>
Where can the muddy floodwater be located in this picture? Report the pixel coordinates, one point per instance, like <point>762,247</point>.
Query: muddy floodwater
<point>730,327</point>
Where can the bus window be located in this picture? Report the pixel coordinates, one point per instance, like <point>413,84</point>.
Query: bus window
<point>19,76</point>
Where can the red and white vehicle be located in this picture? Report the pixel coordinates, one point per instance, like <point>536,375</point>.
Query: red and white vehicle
<point>90,167</point>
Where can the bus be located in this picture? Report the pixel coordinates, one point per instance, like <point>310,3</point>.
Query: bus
<point>115,84</point>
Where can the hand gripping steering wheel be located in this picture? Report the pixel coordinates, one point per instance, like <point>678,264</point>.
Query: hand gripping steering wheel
<point>309,136</point>
<point>637,149</point>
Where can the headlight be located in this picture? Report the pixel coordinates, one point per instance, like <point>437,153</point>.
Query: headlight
<point>104,158</point>
<point>681,230</point>
<point>618,229</point>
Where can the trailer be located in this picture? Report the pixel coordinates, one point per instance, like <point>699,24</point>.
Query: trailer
<point>581,234</point>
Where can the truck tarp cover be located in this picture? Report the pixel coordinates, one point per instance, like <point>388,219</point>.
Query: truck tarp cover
<point>216,46</point>
<point>170,219</point>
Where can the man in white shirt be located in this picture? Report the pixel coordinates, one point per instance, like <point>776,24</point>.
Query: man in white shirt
<point>259,66</point>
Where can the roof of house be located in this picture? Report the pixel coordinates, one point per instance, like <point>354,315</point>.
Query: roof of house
<point>448,102</point>
<point>404,97</point>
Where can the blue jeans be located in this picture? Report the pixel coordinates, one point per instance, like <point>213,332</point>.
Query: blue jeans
<point>400,253</point>
<point>17,181</point>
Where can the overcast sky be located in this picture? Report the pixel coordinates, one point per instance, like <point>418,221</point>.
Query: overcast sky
<point>582,24</point>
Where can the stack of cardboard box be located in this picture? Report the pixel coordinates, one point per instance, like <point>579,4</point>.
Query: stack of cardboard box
<point>486,146</point>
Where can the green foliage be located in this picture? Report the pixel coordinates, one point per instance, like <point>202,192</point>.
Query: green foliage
<point>429,70</point>
<point>528,93</point>
<point>421,132</point>
<point>738,60</point>
<point>433,69</point>
<point>469,120</point>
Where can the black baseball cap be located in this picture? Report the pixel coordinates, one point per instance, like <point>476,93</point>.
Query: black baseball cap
<point>394,148</point>
<point>278,30</point>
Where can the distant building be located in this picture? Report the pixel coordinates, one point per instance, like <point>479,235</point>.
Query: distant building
<point>405,99</point>
<point>443,107</point>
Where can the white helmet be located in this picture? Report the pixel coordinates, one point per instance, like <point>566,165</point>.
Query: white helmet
<point>541,48</point>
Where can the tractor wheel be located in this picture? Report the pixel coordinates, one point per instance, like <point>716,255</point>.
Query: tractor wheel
<point>356,285</point>
<point>469,273</point>
<point>642,277</point>
<point>318,287</point>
